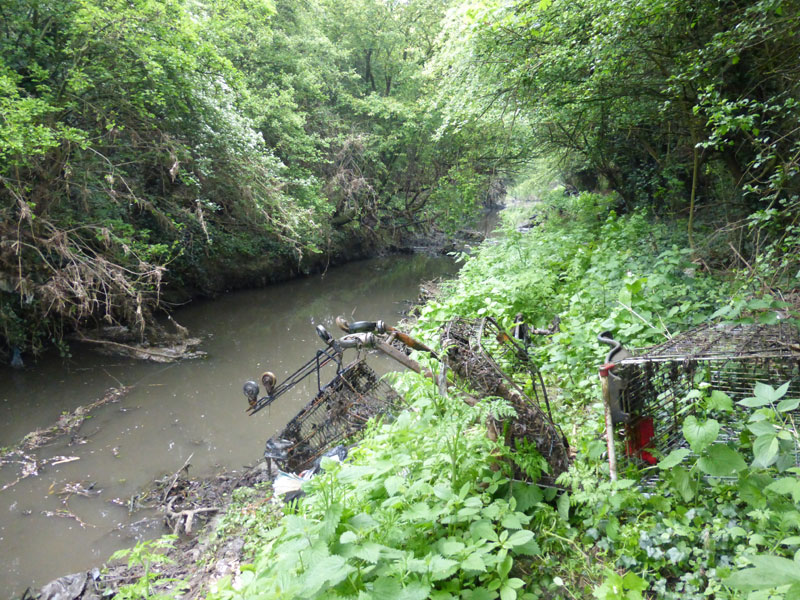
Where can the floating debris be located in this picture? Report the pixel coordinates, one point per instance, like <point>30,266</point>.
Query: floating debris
<point>67,424</point>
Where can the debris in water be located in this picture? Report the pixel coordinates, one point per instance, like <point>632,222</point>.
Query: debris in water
<point>72,587</point>
<point>66,513</point>
<point>67,424</point>
<point>79,489</point>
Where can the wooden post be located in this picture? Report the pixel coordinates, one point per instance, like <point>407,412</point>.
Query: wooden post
<point>612,454</point>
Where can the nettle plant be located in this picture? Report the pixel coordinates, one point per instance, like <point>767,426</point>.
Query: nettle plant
<point>421,510</point>
<point>149,555</point>
<point>723,515</point>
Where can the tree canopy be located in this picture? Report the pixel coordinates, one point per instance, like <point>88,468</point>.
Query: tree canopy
<point>673,104</point>
<point>148,146</point>
<point>155,150</point>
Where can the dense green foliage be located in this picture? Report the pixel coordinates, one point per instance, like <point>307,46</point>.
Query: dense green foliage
<point>414,512</point>
<point>155,150</point>
<point>148,555</point>
<point>664,99</point>
<point>425,507</point>
<point>151,151</point>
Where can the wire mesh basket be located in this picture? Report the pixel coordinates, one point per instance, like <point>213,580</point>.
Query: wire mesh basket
<point>728,358</point>
<point>341,409</point>
<point>475,350</point>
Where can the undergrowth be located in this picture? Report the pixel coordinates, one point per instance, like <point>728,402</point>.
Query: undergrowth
<point>425,507</point>
<point>420,510</point>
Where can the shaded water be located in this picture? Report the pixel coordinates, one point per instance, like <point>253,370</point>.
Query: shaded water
<point>193,408</point>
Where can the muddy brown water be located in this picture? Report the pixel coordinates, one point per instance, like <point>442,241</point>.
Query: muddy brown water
<point>192,408</point>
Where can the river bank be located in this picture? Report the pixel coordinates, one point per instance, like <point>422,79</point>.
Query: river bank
<point>430,506</point>
<point>196,554</point>
<point>164,339</point>
<point>434,504</point>
<point>190,408</point>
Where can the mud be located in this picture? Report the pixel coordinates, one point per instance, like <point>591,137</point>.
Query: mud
<point>187,505</point>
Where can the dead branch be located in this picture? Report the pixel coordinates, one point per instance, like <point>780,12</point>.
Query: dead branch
<point>184,468</point>
<point>65,513</point>
<point>185,517</point>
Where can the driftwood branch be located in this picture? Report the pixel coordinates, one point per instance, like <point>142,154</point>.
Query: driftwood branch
<point>184,468</point>
<point>185,517</point>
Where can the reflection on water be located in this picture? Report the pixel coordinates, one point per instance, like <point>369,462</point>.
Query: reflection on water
<point>195,408</point>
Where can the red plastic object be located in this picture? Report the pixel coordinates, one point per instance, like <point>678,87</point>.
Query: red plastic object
<point>639,436</point>
<point>604,369</point>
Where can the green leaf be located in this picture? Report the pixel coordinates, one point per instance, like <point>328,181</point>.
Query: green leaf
<point>393,484</point>
<point>362,521</point>
<point>369,552</point>
<point>515,582</point>
<point>508,593</point>
<point>721,461</point>
<point>348,537</point>
<point>451,547</point>
<point>719,401</point>
<point>768,572</point>
<point>563,506</point>
<point>788,404</point>
<point>420,511</point>
<point>483,530</point>
<point>464,491</point>
<point>623,484</point>
<point>674,458</point>
<point>793,593</point>
<point>474,562</point>
<point>768,318</point>
<point>352,473</point>
<point>518,538</point>
<point>683,483</point>
<point>754,402</point>
<point>511,521</point>
<point>761,428</point>
<point>527,495</point>
<point>330,570</point>
<point>414,591</point>
<point>612,529</point>
<point>631,581</point>
<point>765,450</point>
<point>331,521</point>
<point>781,391</point>
<point>787,486</point>
<point>531,548</point>
<point>751,489</point>
<point>473,502</point>
<point>443,492</point>
<point>478,594</point>
<point>442,568</point>
<point>505,567</point>
<point>766,394</point>
<point>385,588</point>
<point>611,588</point>
<point>700,435</point>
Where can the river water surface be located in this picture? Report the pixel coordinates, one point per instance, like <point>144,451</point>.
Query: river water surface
<point>189,409</point>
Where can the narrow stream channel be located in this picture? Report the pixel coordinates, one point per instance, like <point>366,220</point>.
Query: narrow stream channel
<point>193,408</point>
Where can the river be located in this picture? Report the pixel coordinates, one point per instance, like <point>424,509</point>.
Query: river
<point>193,408</point>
